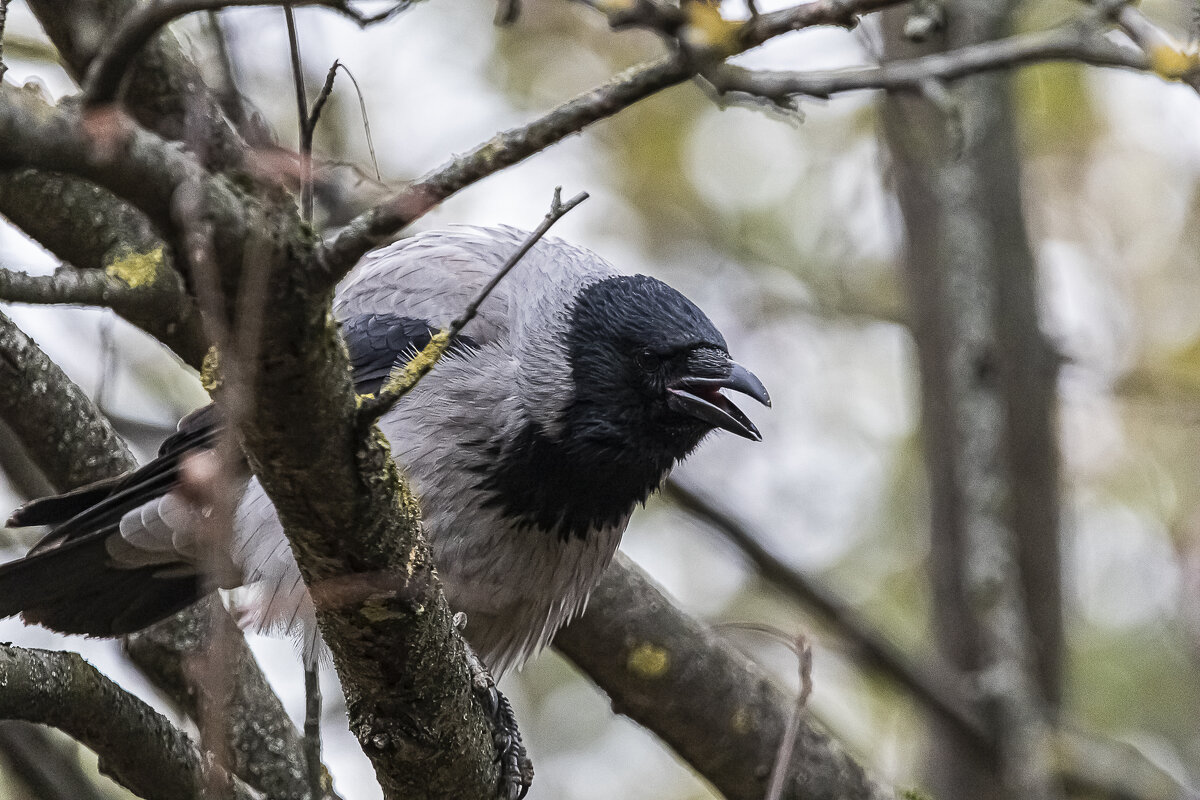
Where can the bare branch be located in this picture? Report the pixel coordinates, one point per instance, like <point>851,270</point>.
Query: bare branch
<point>401,381</point>
<point>104,76</point>
<point>114,246</point>
<point>107,148</point>
<point>1079,42</point>
<point>1166,56</point>
<point>513,146</point>
<point>137,746</point>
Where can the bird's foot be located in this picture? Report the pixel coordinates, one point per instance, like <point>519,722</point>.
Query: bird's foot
<point>516,770</point>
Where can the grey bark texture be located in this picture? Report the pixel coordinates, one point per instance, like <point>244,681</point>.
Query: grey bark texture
<point>988,382</point>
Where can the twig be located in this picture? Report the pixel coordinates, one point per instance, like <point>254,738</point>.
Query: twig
<point>106,71</point>
<point>1078,42</point>
<point>362,107</point>
<point>402,380</point>
<point>802,648</point>
<point>70,286</point>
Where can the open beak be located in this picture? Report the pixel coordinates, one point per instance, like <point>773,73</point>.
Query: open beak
<point>702,398</point>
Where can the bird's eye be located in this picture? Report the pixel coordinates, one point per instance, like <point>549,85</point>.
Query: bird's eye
<point>648,360</point>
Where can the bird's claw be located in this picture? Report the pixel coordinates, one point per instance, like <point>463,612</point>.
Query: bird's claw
<point>516,770</point>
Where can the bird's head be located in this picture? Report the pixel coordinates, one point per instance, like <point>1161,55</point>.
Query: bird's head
<point>648,369</point>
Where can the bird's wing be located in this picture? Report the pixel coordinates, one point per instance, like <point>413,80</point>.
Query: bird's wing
<point>124,553</point>
<point>433,277</point>
<point>380,342</point>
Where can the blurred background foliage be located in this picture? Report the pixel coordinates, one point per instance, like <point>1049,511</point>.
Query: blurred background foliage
<point>786,231</point>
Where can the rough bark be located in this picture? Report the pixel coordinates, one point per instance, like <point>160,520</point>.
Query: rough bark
<point>137,746</point>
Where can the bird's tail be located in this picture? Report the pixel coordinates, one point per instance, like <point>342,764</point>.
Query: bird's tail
<point>70,581</point>
<point>72,588</point>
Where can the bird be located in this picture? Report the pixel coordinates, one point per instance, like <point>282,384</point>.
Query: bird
<point>561,406</point>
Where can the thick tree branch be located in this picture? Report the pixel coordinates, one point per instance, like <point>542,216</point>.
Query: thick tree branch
<point>69,439</point>
<point>137,746</point>
<point>108,149</point>
<point>87,227</point>
<point>699,695</point>
<point>164,90</point>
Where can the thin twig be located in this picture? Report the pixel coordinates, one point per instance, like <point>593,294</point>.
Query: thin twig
<point>800,645</point>
<point>302,117</point>
<point>1077,42</point>
<point>362,107</point>
<point>403,379</point>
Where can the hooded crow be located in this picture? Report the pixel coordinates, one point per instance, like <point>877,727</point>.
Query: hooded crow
<point>562,405</point>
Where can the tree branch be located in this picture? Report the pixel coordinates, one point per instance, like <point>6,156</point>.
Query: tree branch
<point>137,746</point>
<point>117,251</point>
<point>164,90</point>
<point>1079,42</point>
<point>48,764</point>
<point>699,695</point>
<point>510,147</point>
<point>108,149</point>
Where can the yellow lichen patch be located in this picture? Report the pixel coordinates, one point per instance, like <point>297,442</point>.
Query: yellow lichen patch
<point>401,380</point>
<point>210,377</point>
<point>649,661</point>
<point>1172,63</point>
<point>378,611</point>
<point>707,30</point>
<point>742,721</point>
<point>137,269</point>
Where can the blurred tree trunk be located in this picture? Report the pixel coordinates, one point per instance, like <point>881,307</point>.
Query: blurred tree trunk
<point>956,174</point>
